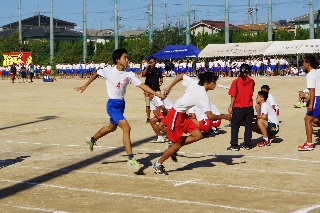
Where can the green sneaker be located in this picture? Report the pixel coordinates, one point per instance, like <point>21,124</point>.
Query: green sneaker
<point>133,163</point>
<point>90,143</point>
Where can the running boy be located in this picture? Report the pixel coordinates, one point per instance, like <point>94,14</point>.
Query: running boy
<point>117,81</point>
<point>310,65</point>
<point>178,122</point>
<point>267,122</point>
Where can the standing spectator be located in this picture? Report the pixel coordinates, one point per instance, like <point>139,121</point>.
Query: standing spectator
<point>154,80</point>
<point>23,73</point>
<point>31,72</point>
<point>13,72</point>
<point>310,65</point>
<point>241,108</point>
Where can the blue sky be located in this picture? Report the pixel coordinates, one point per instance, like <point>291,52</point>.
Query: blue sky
<point>134,15</point>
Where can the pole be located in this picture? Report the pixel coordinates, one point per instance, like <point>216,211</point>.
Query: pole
<point>20,24</point>
<point>226,33</point>
<point>165,14</point>
<point>188,24</point>
<point>248,15</point>
<point>84,32</point>
<point>51,33</point>
<point>116,39</point>
<point>270,20</point>
<point>311,19</point>
<point>150,21</point>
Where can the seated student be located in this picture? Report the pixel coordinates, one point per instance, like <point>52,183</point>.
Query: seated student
<point>267,122</point>
<point>271,100</point>
<point>160,109</point>
<point>207,126</point>
<point>303,99</point>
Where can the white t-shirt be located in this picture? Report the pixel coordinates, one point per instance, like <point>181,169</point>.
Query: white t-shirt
<point>269,111</point>
<point>117,81</point>
<point>193,95</point>
<point>272,101</point>
<point>313,81</point>
<point>157,102</point>
<point>200,115</point>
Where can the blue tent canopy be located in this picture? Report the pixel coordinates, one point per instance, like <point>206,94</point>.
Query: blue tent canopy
<point>177,51</point>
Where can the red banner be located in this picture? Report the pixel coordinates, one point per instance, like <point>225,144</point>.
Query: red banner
<point>17,58</point>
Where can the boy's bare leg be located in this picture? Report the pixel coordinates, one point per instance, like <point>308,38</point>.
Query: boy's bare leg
<point>193,137</point>
<point>104,131</point>
<point>263,127</point>
<point>154,126</point>
<point>308,123</point>
<point>124,125</point>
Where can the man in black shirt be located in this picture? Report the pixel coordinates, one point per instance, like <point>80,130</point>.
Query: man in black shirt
<point>154,80</point>
<point>13,72</point>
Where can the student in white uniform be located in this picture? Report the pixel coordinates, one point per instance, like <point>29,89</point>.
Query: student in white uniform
<point>117,81</point>
<point>271,100</point>
<point>267,122</point>
<point>178,122</point>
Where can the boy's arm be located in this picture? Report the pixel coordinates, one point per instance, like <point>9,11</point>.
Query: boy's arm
<point>148,89</point>
<point>263,116</point>
<point>144,72</point>
<point>311,98</point>
<point>213,117</point>
<point>174,82</point>
<point>84,87</point>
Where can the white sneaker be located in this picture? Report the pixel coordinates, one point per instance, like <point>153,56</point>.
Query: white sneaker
<point>157,141</point>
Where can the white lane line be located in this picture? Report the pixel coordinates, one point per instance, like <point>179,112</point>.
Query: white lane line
<point>282,158</point>
<point>194,182</point>
<point>139,196</point>
<point>278,172</point>
<point>305,210</point>
<point>34,208</point>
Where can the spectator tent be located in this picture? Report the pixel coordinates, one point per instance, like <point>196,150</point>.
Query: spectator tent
<point>284,47</point>
<point>250,48</point>
<point>215,50</point>
<point>177,51</point>
<point>310,46</point>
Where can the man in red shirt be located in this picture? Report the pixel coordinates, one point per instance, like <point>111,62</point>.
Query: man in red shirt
<point>241,108</point>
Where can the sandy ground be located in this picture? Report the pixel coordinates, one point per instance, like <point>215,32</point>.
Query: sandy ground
<point>45,165</point>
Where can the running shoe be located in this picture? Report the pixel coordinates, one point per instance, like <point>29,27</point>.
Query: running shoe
<point>148,120</point>
<point>159,170</point>
<point>157,141</point>
<point>233,148</point>
<point>264,143</point>
<point>306,147</point>
<point>90,143</point>
<point>244,146</point>
<point>133,163</point>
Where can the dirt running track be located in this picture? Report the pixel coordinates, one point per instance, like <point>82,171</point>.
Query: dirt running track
<point>45,165</point>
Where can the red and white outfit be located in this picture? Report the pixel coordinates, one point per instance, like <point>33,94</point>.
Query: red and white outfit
<point>205,123</point>
<point>178,122</point>
<point>157,102</point>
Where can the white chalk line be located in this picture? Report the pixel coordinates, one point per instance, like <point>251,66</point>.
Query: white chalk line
<point>34,208</point>
<point>181,182</point>
<point>307,209</point>
<point>157,150</point>
<point>123,194</point>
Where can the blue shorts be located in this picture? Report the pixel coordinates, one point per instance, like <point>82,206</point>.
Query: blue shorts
<point>315,113</point>
<point>115,109</point>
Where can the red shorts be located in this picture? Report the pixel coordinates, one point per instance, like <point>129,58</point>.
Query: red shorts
<point>178,123</point>
<point>215,123</point>
<point>205,125</point>
<point>160,115</point>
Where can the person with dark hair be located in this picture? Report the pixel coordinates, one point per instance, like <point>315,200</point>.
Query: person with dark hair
<point>154,80</point>
<point>117,80</point>
<point>23,73</point>
<point>241,108</point>
<point>310,64</point>
<point>271,100</point>
<point>178,121</point>
<point>13,72</point>
<point>267,122</point>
